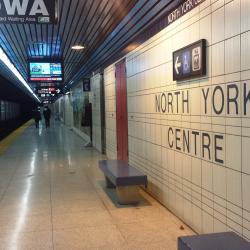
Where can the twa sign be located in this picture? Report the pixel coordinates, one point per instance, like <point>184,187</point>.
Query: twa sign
<point>28,11</point>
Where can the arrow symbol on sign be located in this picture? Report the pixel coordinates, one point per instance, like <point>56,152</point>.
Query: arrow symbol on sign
<point>58,91</point>
<point>177,65</point>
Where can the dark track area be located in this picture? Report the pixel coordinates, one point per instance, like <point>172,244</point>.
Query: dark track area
<point>7,127</point>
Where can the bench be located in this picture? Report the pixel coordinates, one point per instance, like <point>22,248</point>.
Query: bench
<point>214,241</point>
<point>125,178</point>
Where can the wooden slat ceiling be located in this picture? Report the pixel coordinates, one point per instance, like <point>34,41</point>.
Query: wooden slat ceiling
<point>86,22</point>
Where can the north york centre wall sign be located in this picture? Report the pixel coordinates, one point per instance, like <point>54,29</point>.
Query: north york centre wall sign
<point>28,11</point>
<point>182,9</point>
<point>190,61</point>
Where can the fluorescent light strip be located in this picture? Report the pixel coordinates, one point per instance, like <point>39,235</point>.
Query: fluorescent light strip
<point>78,47</point>
<point>4,58</point>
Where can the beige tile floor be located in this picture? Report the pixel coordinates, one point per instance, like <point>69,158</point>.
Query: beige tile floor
<point>52,196</point>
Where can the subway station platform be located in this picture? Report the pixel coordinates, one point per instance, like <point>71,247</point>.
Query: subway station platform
<point>53,196</point>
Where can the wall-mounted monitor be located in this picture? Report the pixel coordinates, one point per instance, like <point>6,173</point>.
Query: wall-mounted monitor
<point>41,71</point>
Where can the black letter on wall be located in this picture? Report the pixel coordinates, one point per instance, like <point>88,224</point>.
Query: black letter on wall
<point>195,133</point>
<point>177,100</point>
<point>234,99</point>
<point>186,141</point>
<point>177,138</point>
<point>170,102</point>
<point>222,100</point>
<point>217,148</point>
<point>246,98</point>
<point>157,103</point>
<point>205,95</point>
<point>170,144</point>
<point>185,101</point>
<point>163,100</point>
<point>207,146</point>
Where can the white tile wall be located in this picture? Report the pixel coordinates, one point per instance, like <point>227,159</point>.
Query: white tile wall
<point>96,112</point>
<point>232,55</point>
<point>66,109</point>
<point>245,21</point>
<point>110,112</point>
<point>245,155</point>
<point>232,18</point>
<point>234,192</point>
<point>207,195</point>
<point>218,60</point>
<point>218,25</point>
<point>219,181</point>
<point>245,51</point>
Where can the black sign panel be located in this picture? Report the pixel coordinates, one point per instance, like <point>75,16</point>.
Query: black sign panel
<point>86,85</point>
<point>48,92</point>
<point>47,95</point>
<point>28,11</point>
<point>190,61</point>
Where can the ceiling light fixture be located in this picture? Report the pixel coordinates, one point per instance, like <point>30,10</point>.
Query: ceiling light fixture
<point>5,59</point>
<point>78,47</point>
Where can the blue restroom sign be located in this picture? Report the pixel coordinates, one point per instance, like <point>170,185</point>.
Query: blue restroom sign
<point>28,11</point>
<point>186,65</point>
<point>190,61</point>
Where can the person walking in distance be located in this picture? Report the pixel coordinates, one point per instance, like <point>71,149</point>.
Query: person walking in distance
<point>37,117</point>
<point>47,115</point>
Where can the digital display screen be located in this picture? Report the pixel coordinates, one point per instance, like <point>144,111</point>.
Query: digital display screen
<point>45,72</point>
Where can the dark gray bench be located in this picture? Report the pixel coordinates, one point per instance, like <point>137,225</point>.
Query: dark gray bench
<point>125,178</point>
<point>215,241</point>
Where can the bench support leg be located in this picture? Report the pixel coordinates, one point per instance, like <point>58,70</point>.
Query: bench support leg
<point>109,184</point>
<point>128,195</point>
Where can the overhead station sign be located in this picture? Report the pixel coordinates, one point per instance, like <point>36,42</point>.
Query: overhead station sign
<point>28,11</point>
<point>48,92</point>
<point>182,9</point>
<point>190,61</point>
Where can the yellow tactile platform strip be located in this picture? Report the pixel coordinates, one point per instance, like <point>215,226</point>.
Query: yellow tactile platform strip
<point>6,142</point>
